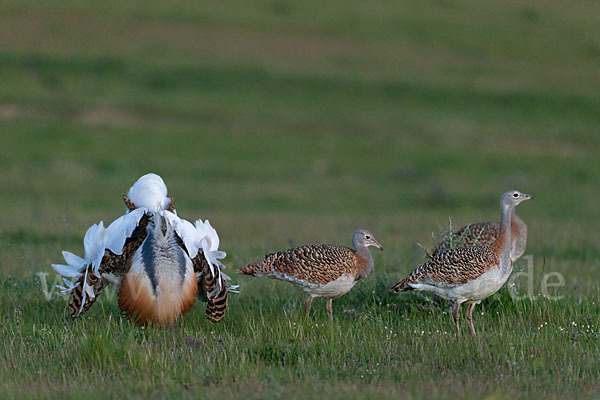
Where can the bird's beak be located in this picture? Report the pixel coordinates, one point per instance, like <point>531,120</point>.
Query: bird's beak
<point>377,244</point>
<point>528,196</point>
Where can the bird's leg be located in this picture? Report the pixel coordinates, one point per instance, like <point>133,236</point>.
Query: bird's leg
<point>329,309</point>
<point>456,316</point>
<point>470,318</point>
<point>308,304</point>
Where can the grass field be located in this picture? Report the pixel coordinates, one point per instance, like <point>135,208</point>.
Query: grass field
<point>291,123</point>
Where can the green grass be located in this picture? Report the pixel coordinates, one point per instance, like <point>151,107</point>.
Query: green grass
<point>300,122</point>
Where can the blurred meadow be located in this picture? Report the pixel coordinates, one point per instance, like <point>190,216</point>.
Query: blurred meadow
<point>286,123</point>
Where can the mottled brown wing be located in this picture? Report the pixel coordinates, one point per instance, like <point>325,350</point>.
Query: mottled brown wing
<point>480,233</point>
<point>451,267</point>
<point>217,303</point>
<point>114,264</point>
<point>313,264</point>
<point>201,269</point>
<point>128,203</point>
<point>92,280</point>
<point>207,286</point>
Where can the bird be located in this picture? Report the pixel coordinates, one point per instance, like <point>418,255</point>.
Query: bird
<point>159,262</point>
<point>469,273</point>
<point>320,269</point>
<point>486,233</point>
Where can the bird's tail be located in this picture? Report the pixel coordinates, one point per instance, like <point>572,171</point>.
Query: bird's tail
<point>250,269</point>
<point>265,267</point>
<point>401,286</point>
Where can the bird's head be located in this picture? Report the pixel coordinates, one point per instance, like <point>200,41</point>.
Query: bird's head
<point>512,198</point>
<point>362,237</point>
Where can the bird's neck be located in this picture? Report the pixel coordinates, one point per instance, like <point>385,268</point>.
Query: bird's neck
<point>365,254</point>
<point>501,246</point>
<point>518,222</point>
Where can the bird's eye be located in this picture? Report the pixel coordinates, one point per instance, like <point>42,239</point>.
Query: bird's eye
<point>515,194</point>
<point>367,237</point>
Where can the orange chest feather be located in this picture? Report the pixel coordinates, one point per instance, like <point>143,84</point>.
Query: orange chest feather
<point>362,266</point>
<point>162,306</point>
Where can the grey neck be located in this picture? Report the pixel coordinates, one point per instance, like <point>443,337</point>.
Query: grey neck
<point>505,221</point>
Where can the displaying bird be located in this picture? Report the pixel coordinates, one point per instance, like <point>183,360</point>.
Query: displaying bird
<point>320,269</point>
<point>470,273</point>
<point>486,233</point>
<point>159,261</point>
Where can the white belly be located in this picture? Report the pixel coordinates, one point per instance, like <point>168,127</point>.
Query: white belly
<point>476,290</point>
<point>333,289</point>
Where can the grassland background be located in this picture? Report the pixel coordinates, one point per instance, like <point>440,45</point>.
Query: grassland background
<point>298,122</point>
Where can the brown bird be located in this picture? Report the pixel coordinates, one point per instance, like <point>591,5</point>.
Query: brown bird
<point>471,273</point>
<point>159,262</point>
<point>485,233</point>
<point>320,269</point>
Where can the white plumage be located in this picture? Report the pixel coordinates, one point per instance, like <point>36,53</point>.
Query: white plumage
<point>150,192</point>
<point>121,228</point>
<point>149,195</point>
<point>93,243</point>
